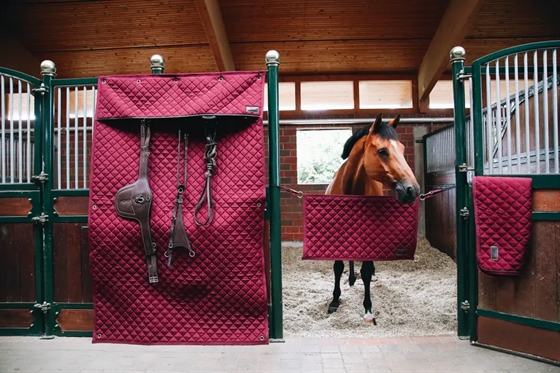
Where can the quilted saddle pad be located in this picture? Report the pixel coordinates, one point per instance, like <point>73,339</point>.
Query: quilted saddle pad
<point>219,296</point>
<point>503,219</point>
<point>359,228</point>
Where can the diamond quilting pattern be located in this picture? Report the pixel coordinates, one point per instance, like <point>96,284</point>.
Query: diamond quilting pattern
<point>358,228</point>
<point>180,95</point>
<point>503,222</point>
<point>217,297</point>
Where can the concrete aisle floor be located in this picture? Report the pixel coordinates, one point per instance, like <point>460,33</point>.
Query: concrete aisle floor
<point>382,355</point>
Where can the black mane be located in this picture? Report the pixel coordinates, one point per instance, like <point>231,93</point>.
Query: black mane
<point>383,130</point>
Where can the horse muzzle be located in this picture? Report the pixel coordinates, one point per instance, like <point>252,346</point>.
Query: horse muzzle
<point>407,192</point>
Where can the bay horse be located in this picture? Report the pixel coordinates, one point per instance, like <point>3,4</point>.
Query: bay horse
<point>374,157</point>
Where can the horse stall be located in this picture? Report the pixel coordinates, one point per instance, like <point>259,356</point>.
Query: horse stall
<point>94,245</point>
<point>502,222</point>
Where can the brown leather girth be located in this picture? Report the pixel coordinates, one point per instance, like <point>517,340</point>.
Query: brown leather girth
<point>178,236</point>
<point>134,202</point>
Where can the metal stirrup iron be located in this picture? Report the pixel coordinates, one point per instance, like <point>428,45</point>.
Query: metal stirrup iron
<point>178,236</point>
<point>210,158</point>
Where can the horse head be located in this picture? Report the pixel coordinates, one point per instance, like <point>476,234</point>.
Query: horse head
<point>384,160</point>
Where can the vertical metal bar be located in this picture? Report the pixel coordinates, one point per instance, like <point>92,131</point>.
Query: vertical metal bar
<point>489,122</point>
<point>508,119</point>
<point>3,144</point>
<point>76,124</point>
<point>67,155</point>
<point>527,110</point>
<point>28,139</point>
<point>20,135</point>
<point>11,144</point>
<point>517,109</point>
<point>498,118</point>
<point>471,126</point>
<point>536,106</point>
<point>59,138</point>
<point>555,112</point>
<point>48,71</point>
<point>84,155</point>
<point>276,326</point>
<point>545,112</point>
<point>457,58</point>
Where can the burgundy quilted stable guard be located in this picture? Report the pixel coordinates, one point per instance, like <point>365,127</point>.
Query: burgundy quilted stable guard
<point>503,219</point>
<point>219,296</point>
<point>359,228</point>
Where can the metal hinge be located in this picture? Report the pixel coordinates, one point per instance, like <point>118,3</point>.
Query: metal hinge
<point>464,212</point>
<point>42,89</point>
<point>465,305</point>
<point>463,75</point>
<point>463,167</point>
<point>41,178</point>
<point>42,219</point>
<point>43,307</point>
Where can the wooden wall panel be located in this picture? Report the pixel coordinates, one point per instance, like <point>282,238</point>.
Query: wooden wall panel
<point>536,293</point>
<point>75,320</point>
<point>441,223</point>
<point>15,318</point>
<point>66,205</point>
<point>72,282</point>
<point>546,200</point>
<point>17,266</point>
<point>15,206</point>
<point>521,338</point>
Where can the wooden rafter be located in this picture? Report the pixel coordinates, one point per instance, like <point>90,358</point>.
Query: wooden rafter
<point>456,22</point>
<point>211,16</point>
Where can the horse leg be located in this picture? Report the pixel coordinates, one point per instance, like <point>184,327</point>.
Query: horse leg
<point>367,271</point>
<point>338,269</point>
<point>352,274</point>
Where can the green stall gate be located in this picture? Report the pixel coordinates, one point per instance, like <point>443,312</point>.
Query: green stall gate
<point>512,130</point>
<point>45,132</point>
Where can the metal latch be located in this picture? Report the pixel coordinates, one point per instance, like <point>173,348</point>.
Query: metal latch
<point>42,219</point>
<point>464,212</point>
<point>41,178</point>
<point>42,89</point>
<point>465,305</point>
<point>463,75</point>
<point>43,307</point>
<point>463,167</point>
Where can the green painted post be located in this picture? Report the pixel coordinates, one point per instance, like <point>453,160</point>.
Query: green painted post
<point>457,59</point>
<point>273,206</point>
<point>48,71</point>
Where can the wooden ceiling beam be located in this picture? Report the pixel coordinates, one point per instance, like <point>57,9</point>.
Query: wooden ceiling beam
<point>16,56</point>
<point>211,16</point>
<point>454,26</point>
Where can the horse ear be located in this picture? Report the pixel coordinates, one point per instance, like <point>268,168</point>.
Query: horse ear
<point>395,121</point>
<point>376,124</point>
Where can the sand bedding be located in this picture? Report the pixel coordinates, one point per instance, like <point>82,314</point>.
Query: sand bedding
<point>410,298</point>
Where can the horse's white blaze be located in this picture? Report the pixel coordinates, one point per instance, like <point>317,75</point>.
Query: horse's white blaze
<point>394,143</point>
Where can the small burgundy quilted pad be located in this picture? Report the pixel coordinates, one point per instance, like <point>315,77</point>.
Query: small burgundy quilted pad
<point>503,220</point>
<point>359,228</point>
<point>219,295</point>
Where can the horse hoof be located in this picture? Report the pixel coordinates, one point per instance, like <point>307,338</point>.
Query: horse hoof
<point>374,278</point>
<point>332,309</point>
<point>369,319</point>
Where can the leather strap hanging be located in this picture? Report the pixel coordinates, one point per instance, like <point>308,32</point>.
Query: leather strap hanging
<point>210,158</point>
<point>134,202</point>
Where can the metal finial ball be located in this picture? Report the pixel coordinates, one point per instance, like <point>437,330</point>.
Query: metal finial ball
<point>457,53</point>
<point>48,68</point>
<point>157,62</point>
<point>272,57</point>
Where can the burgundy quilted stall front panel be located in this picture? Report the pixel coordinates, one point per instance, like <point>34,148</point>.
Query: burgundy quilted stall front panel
<point>219,296</point>
<point>503,219</point>
<point>358,228</point>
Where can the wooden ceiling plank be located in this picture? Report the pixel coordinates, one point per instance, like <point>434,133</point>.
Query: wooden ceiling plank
<point>454,26</point>
<point>17,57</point>
<point>211,16</point>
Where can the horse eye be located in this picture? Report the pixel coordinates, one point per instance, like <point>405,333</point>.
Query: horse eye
<point>383,152</point>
